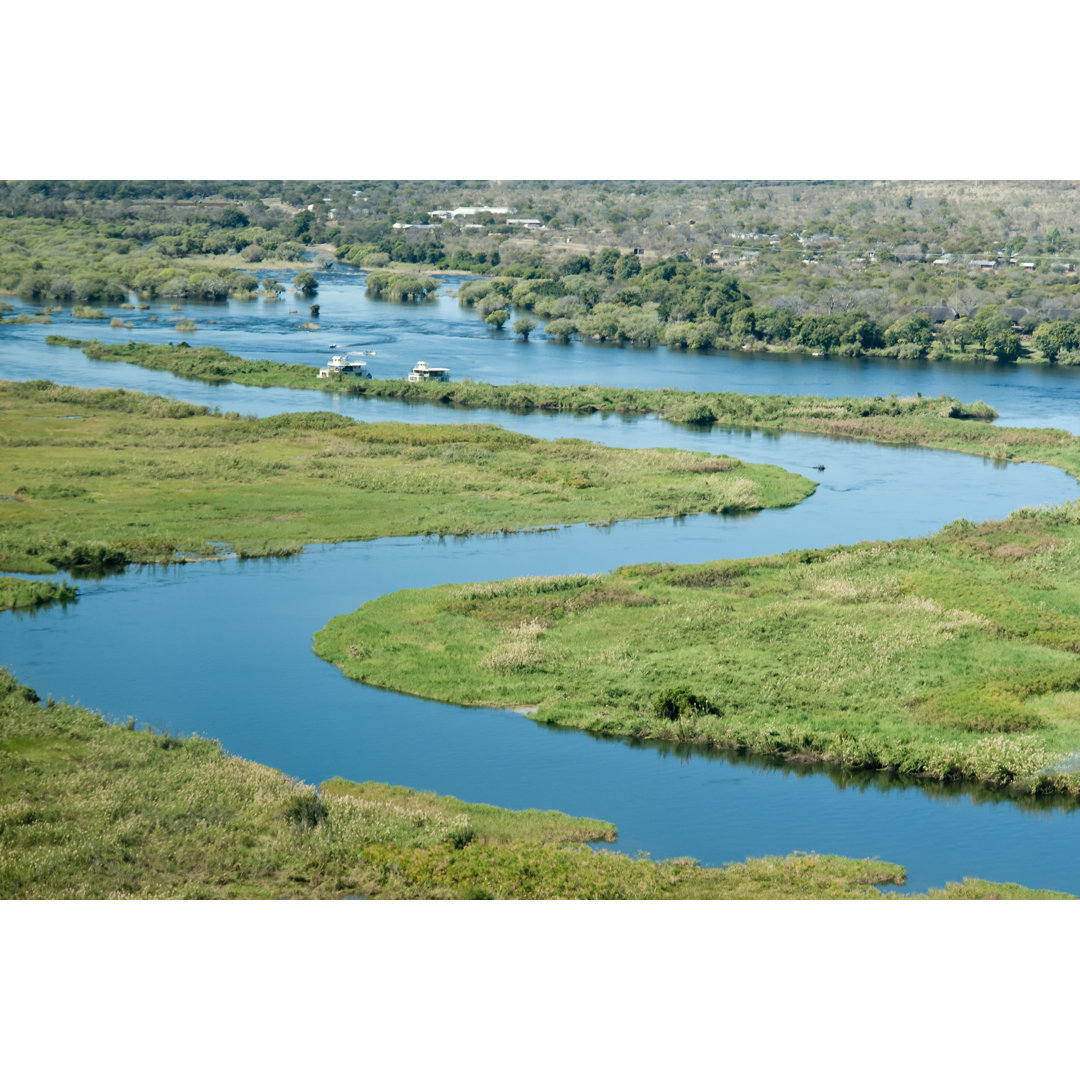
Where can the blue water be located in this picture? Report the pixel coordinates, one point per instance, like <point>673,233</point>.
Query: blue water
<point>445,333</point>
<point>224,649</point>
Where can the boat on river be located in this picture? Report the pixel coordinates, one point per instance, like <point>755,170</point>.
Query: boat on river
<point>424,372</point>
<point>341,366</point>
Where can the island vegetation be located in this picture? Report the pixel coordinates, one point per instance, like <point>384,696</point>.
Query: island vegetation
<point>951,657</point>
<point>102,478</point>
<point>95,810</point>
<point>22,594</point>
<point>942,423</point>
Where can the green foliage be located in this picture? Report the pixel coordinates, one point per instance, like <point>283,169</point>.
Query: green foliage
<point>951,657</point>
<point>382,285</point>
<point>268,487</point>
<point>305,810</point>
<point>680,702</point>
<point>19,593</point>
<point>1053,338</point>
<point>560,330</point>
<point>90,809</point>
<point>305,284</point>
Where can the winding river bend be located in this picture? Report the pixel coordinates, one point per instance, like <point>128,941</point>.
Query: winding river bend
<point>224,649</point>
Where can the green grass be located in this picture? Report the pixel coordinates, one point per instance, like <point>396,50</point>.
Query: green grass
<point>105,477</point>
<point>205,364</point>
<point>939,423</point>
<point>18,593</point>
<point>953,657</point>
<point>92,810</point>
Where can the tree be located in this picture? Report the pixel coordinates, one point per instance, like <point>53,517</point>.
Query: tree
<point>910,330</point>
<point>958,332</point>
<point>314,311</point>
<point>1051,338</point>
<point>562,330</point>
<point>301,225</point>
<point>272,288</point>
<point>305,283</point>
<point>497,318</point>
<point>525,326</point>
<point>1003,343</point>
<point>742,324</point>
<point>605,262</point>
<point>992,329</point>
<point>231,218</point>
<point>488,304</point>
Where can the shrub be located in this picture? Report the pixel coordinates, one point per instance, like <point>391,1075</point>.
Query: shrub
<point>305,810</point>
<point>672,703</point>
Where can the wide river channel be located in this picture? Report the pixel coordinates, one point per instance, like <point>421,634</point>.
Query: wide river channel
<point>224,648</point>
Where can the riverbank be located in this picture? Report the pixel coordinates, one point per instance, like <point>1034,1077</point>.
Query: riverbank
<point>951,657</point>
<point>102,478</point>
<point>93,810</point>
<point>940,423</point>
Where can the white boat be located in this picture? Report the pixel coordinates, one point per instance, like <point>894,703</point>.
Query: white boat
<point>340,366</point>
<point>424,372</point>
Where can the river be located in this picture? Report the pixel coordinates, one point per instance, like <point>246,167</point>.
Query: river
<point>224,649</point>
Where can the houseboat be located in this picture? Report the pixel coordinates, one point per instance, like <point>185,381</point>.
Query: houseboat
<point>340,366</point>
<point>424,372</point>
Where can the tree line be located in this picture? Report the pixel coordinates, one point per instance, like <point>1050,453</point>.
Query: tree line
<point>615,297</point>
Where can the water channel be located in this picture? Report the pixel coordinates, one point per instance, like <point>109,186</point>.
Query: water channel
<point>224,649</point>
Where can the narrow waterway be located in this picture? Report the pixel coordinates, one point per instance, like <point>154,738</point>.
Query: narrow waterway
<point>224,649</point>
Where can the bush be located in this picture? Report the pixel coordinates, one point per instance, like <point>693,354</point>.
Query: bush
<point>670,704</point>
<point>306,810</point>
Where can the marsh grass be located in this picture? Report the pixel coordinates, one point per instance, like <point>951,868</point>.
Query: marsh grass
<point>952,658</point>
<point>940,423</point>
<point>133,478</point>
<point>21,594</point>
<point>90,809</point>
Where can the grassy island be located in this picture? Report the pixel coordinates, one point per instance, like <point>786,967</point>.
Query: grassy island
<point>952,657</point>
<point>95,810</point>
<point>107,477</point>
<point>941,423</point>
<point>20,594</point>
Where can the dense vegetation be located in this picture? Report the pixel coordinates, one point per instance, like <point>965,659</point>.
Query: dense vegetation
<point>18,593</point>
<point>907,269</point>
<point>90,809</point>
<point>100,478</point>
<point>215,365</point>
<point>953,657</point>
<point>940,423</point>
<point>675,301</point>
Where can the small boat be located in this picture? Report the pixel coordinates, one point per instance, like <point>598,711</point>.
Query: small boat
<point>341,366</point>
<point>424,372</point>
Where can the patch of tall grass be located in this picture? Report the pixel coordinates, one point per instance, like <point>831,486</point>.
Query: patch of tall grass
<point>940,423</point>
<point>137,478</point>
<point>951,657</point>
<point>22,594</point>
